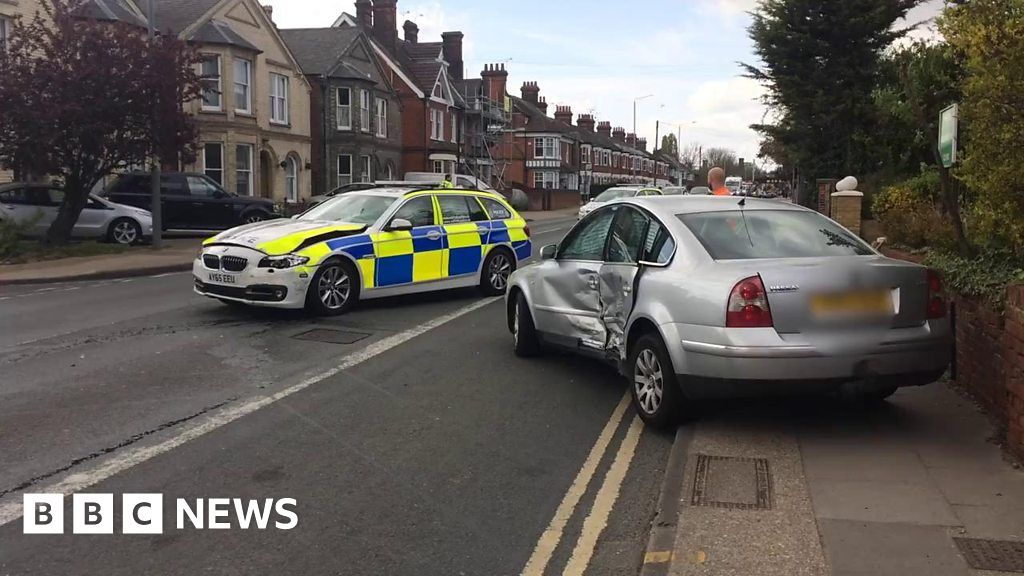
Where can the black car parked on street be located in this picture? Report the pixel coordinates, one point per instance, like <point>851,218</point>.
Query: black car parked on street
<point>190,201</point>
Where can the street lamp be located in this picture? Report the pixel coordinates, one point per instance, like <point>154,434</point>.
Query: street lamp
<point>635,100</point>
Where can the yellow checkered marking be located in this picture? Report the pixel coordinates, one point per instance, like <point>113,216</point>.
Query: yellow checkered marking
<point>392,243</point>
<point>462,235</point>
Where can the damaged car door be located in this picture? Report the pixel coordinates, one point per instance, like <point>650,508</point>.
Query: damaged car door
<point>619,275</point>
<point>567,307</point>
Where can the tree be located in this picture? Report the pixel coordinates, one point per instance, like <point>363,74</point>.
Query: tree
<point>820,64</point>
<point>82,99</point>
<point>989,36</point>
<point>724,159</point>
<point>669,144</point>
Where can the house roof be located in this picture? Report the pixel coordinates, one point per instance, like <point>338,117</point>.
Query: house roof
<point>538,120</point>
<point>423,62</point>
<point>320,51</point>
<point>218,32</point>
<point>177,15</point>
<point>109,11</point>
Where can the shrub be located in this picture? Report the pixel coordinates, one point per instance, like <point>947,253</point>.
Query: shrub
<point>11,234</point>
<point>985,274</point>
<point>910,215</point>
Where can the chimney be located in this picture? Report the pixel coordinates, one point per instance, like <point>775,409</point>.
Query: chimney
<point>412,31</point>
<point>631,139</point>
<point>586,122</point>
<point>269,11</point>
<point>385,27</point>
<point>641,143</point>
<point>619,134</point>
<point>604,129</point>
<point>495,82</point>
<point>364,14</point>
<point>531,92</point>
<point>451,47</point>
<point>543,105</point>
<point>563,114</point>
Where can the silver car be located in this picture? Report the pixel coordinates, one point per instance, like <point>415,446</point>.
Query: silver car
<point>38,204</point>
<point>701,297</point>
<point>616,193</point>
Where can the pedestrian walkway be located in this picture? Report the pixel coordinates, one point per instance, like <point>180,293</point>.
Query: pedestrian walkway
<point>176,255</point>
<point>542,215</point>
<point>794,487</point>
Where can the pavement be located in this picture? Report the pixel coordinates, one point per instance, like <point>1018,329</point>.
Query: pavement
<point>853,490</point>
<point>177,255</point>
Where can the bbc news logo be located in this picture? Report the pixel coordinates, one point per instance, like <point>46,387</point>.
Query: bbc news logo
<point>144,514</point>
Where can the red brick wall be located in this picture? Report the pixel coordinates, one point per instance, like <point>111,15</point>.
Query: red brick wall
<point>552,199</point>
<point>990,360</point>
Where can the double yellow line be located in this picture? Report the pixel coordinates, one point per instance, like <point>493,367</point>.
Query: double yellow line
<point>607,494</point>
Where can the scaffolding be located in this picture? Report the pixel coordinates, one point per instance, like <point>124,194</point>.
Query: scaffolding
<point>487,121</point>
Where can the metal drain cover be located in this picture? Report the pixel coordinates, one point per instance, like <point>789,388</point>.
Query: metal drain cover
<point>734,483</point>
<point>331,336</point>
<point>995,555</point>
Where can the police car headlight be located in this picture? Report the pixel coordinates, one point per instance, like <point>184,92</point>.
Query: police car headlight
<point>282,262</point>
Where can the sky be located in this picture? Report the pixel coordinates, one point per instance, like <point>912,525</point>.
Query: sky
<point>676,59</point>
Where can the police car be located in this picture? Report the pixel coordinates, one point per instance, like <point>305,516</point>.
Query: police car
<point>367,244</point>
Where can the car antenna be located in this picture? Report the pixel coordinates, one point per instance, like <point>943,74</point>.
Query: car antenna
<point>743,213</point>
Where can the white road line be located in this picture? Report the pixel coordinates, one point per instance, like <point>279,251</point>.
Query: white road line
<point>11,505</point>
<point>597,520</point>
<point>553,533</point>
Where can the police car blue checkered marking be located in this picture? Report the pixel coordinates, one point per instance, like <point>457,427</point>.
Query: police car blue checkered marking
<point>355,246</point>
<point>463,260</point>
<point>394,270</point>
<point>523,249</point>
<point>421,243</point>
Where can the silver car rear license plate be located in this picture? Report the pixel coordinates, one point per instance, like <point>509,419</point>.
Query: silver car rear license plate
<point>222,278</point>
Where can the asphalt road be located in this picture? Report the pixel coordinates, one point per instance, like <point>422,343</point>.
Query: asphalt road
<point>423,446</point>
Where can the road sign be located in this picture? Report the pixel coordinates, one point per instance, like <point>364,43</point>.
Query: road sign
<point>948,125</point>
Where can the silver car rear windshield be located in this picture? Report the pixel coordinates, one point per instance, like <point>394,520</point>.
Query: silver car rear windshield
<point>354,208</point>
<point>750,234</point>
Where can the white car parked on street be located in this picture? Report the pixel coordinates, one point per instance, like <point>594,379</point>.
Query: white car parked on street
<point>39,203</point>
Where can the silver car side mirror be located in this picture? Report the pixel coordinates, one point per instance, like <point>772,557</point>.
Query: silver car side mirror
<point>548,252</point>
<point>399,225</point>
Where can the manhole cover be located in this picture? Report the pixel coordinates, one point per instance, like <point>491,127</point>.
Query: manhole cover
<point>736,483</point>
<point>995,555</point>
<point>331,336</point>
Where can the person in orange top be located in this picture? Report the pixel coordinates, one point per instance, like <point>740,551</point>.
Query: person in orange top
<point>716,181</point>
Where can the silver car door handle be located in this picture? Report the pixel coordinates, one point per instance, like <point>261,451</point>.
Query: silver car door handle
<point>433,235</point>
<point>592,282</point>
<point>627,289</point>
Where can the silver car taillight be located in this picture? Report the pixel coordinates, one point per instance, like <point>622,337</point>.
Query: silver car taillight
<point>936,299</point>
<point>748,305</point>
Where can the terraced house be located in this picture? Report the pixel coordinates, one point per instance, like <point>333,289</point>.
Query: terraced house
<point>254,113</point>
<point>355,115</point>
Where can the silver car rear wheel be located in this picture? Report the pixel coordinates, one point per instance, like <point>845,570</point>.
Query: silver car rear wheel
<point>649,382</point>
<point>124,231</point>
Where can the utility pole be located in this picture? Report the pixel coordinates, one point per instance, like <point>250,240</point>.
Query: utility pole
<point>657,133</point>
<point>154,171</point>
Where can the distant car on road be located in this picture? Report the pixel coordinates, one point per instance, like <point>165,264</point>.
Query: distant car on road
<point>674,190</point>
<point>353,187</point>
<point>367,244</point>
<point>734,184</point>
<point>615,194</point>
<point>700,191</point>
<point>190,201</point>
<point>717,297</point>
<point>39,203</point>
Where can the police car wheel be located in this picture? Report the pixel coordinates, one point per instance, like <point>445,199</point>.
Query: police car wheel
<point>524,333</point>
<point>656,395</point>
<point>497,268</point>
<point>333,290</point>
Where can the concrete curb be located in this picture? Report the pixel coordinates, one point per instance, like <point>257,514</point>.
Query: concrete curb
<point>662,541</point>
<point>102,275</point>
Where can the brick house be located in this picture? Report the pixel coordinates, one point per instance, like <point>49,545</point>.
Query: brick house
<point>355,116</point>
<point>423,75</point>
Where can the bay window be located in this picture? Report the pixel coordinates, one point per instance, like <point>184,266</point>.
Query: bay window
<point>243,170</point>
<point>382,118</point>
<point>243,86</point>
<point>344,108</point>
<point>344,169</point>
<point>279,99</point>
<point>210,72</point>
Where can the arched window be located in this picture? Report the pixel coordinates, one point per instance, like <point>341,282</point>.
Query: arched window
<point>391,172</point>
<point>291,179</point>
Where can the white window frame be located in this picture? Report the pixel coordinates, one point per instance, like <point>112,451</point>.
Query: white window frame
<point>344,178</point>
<point>382,118</point>
<point>207,169</point>
<point>246,85</point>
<point>219,92</point>
<point>585,154</point>
<point>365,169</point>
<point>279,104</point>
<point>547,148</point>
<point>436,125</point>
<point>291,179</point>
<point>347,108</point>
<point>364,111</point>
<point>547,180</point>
<point>438,166</point>
<point>247,174</point>
<point>455,128</point>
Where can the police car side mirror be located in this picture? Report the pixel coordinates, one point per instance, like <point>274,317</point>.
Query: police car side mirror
<point>548,252</point>
<point>399,225</point>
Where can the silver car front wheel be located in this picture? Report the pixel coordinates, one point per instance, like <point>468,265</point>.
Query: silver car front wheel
<point>333,289</point>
